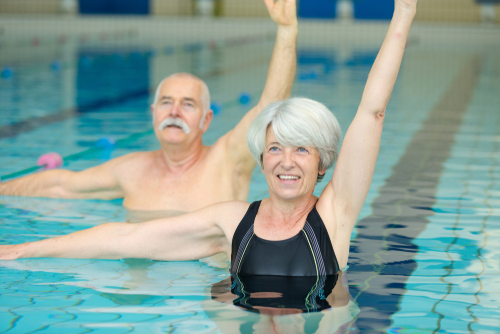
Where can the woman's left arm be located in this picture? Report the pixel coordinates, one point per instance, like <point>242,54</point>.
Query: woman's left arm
<point>354,170</point>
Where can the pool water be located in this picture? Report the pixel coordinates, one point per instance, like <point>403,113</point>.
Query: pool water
<point>424,254</point>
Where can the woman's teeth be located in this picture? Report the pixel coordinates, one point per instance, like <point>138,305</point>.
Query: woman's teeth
<point>288,177</point>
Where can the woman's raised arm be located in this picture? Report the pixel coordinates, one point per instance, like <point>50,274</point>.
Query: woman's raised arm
<point>358,155</point>
<point>192,236</point>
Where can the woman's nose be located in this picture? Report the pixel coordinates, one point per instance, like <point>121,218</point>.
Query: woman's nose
<point>288,159</point>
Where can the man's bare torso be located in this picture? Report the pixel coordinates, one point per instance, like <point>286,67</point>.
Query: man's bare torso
<point>213,178</point>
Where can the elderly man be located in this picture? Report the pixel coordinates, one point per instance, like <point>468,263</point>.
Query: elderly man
<point>184,175</point>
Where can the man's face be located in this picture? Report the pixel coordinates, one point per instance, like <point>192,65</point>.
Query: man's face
<point>179,108</point>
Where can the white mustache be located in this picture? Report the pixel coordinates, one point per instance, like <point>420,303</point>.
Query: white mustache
<point>174,121</point>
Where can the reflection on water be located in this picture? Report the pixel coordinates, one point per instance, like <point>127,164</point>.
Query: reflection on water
<point>287,304</point>
<point>293,294</point>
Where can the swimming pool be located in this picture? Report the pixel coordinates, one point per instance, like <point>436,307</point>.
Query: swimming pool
<point>424,256</point>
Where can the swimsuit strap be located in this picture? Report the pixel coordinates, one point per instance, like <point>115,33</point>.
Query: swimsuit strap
<point>243,233</point>
<point>322,246</point>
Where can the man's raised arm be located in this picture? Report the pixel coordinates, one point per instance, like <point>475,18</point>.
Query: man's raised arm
<point>280,77</point>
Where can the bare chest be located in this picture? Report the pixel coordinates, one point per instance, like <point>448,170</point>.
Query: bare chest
<point>189,191</point>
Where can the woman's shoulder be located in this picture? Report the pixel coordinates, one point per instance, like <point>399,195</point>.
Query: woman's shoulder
<point>231,211</point>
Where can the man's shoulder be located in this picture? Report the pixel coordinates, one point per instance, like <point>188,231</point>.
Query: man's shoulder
<point>135,157</point>
<point>132,160</point>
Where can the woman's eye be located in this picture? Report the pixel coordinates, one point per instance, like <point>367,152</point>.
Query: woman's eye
<point>273,149</point>
<point>302,150</point>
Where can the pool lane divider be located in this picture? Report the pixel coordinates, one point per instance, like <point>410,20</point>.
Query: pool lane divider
<point>402,207</point>
<point>13,130</point>
<point>119,143</point>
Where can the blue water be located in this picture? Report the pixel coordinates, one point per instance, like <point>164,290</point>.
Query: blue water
<point>424,255</point>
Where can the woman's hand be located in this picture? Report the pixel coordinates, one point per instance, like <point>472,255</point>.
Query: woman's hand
<point>406,3</point>
<point>10,252</point>
<point>283,12</point>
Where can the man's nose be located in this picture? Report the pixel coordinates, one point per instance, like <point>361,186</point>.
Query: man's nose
<point>175,110</point>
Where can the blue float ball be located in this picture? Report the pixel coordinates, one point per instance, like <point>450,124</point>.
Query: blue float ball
<point>106,143</point>
<point>216,107</point>
<point>56,65</point>
<point>245,98</point>
<point>7,73</point>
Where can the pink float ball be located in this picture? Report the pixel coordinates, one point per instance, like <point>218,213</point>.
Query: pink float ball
<point>50,160</point>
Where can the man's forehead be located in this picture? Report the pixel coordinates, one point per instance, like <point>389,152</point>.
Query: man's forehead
<point>181,86</point>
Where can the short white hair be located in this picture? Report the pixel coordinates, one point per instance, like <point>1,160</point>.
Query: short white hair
<point>297,122</point>
<point>205,93</point>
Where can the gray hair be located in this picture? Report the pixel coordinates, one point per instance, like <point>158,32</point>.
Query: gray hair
<point>205,93</point>
<point>297,122</point>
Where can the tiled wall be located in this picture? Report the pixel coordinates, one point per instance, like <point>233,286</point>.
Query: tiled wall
<point>451,11</point>
<point>249,8</point>
<point>428,10</point>
<point>31,6</point>
<point>172,7</point>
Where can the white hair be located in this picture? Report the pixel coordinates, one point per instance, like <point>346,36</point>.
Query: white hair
<point>297,122</point>
<point>205,93</point>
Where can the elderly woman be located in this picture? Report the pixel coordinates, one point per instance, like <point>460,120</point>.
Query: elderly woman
<point>291,233</point>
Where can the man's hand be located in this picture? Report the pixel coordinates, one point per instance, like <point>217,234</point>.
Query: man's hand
<point>284,12</point>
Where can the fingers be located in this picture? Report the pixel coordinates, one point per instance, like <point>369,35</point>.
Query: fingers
<point>269,5</point>
<point>283,12</point>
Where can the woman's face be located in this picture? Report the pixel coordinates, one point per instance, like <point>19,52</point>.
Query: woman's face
<point>291,172</point>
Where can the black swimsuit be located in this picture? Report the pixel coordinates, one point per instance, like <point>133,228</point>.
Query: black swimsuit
<point>309,253</point>
<point>301,270</point>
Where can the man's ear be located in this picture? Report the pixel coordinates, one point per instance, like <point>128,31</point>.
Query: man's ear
<point>208,119</point>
